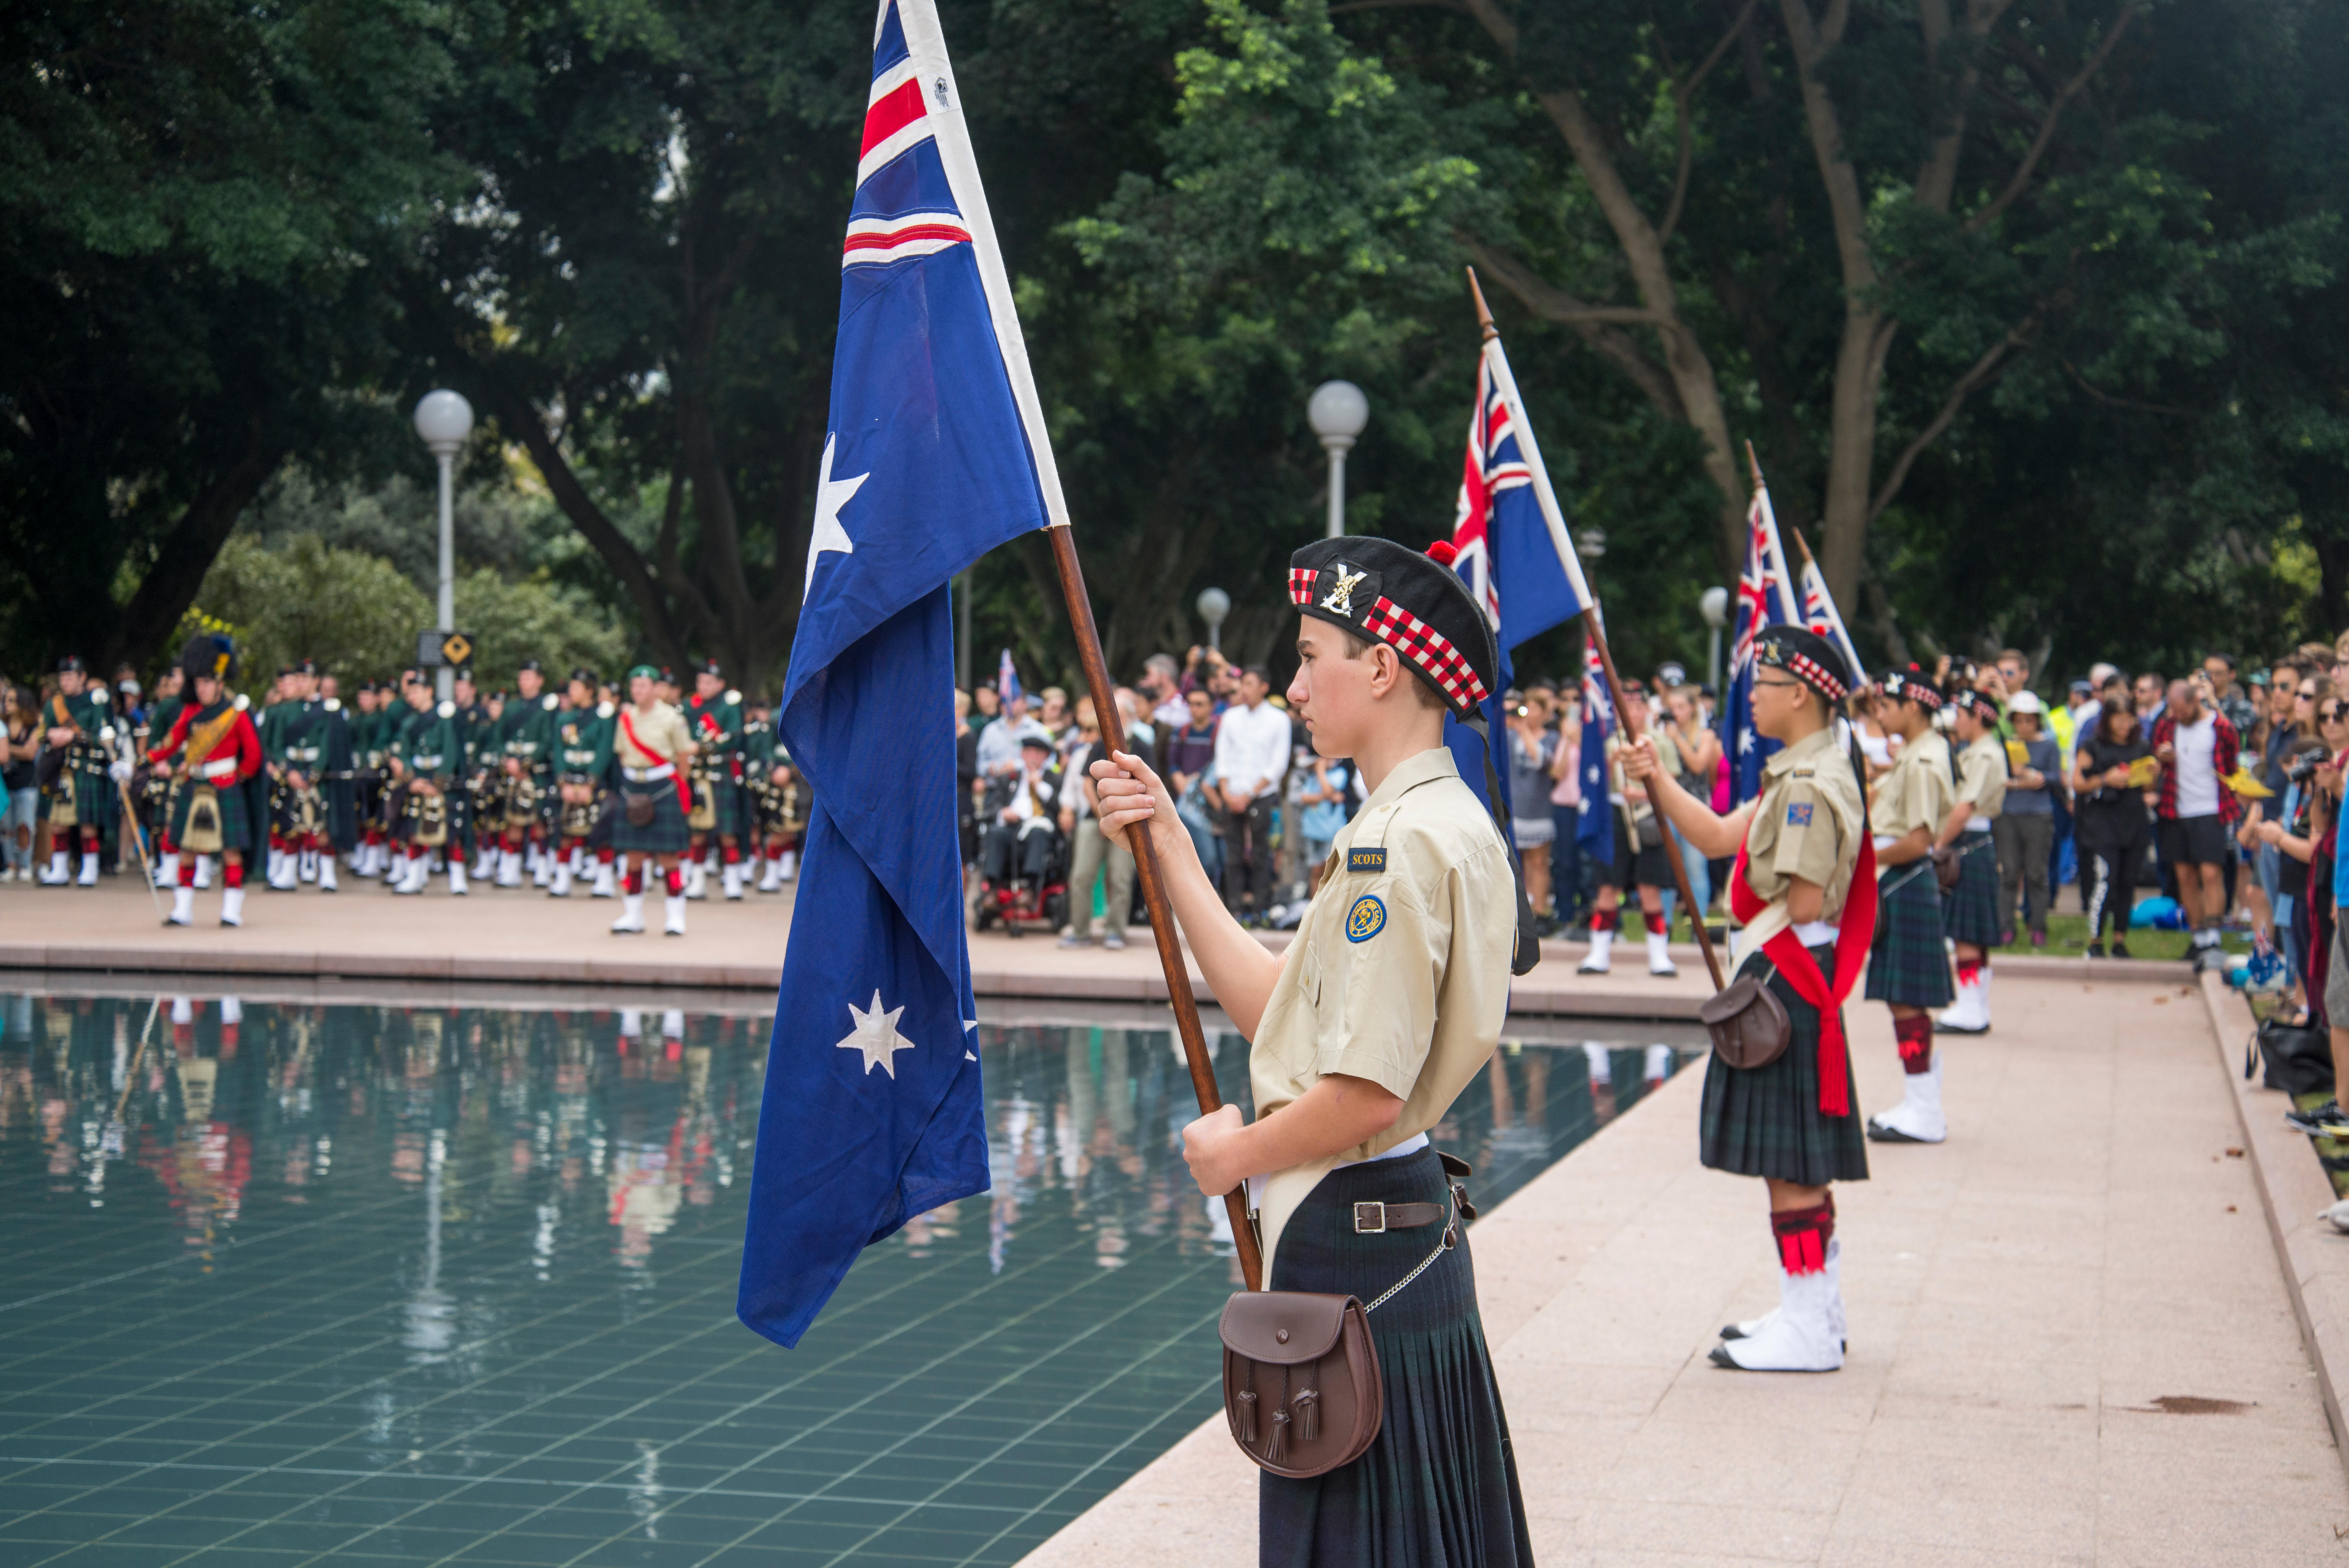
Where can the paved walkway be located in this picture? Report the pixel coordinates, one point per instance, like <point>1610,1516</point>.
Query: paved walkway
<point>521,936</point>
<point>2070,1341</point>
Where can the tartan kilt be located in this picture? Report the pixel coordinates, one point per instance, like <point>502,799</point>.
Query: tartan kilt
<point>1765,1121</point>
<point>95,799</point>
<point>666,834</point>
<point>236,826</point>
<point>1969,910</point>
<point>726,795</point>
<point>1439,1485</point>
<point>1908,963</point>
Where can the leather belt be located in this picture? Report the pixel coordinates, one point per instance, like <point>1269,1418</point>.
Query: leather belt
<point>1376,1219</point>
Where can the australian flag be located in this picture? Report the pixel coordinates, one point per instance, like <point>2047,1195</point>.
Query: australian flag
<point>1765,597</point>
<point>1595,831</point>
<point>936,453</point>
<point>1510,545</point>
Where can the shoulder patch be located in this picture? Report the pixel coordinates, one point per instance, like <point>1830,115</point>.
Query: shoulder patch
<point>1366,860</point>
<point>1798,814</point>
<point>550,702</point>
<point>1366,919</point>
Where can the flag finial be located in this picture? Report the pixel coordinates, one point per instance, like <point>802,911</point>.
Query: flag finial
<point>1484,315</point>
<point>1754,463</point>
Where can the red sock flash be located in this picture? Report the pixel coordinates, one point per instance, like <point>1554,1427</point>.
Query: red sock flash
<point>1803,1236</point>
<point>1914,1037</point>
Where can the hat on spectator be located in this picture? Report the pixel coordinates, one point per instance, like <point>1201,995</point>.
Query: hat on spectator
<point>1415,603</point>
<point>2024,702</point>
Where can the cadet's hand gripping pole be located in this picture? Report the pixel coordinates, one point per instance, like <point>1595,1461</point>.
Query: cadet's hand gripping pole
<point>1154,882</point>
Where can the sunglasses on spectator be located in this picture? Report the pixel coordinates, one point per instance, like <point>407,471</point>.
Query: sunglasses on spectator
<point>2332,712</point>
<point>2308,694</point>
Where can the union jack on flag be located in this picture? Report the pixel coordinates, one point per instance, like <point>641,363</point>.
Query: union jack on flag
<point>1766,598</point>
<point>1819,614</point>
<point>1494,465</point>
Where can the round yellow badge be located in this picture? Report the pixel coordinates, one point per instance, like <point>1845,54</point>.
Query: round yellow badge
<point>1366,919</point>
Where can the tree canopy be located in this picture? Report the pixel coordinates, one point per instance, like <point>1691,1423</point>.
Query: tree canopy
<point>2031,310</point>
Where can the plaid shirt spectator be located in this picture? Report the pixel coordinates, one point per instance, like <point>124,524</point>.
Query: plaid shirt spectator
<point>2222,762</point>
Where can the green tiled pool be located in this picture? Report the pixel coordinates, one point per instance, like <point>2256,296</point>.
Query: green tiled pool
<point>382,1281</point>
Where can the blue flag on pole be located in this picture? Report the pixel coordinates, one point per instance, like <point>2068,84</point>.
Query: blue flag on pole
<point>1595,832</point>
<point>936,453</point>
<point>1766,598</point>
<point>1510,545</point>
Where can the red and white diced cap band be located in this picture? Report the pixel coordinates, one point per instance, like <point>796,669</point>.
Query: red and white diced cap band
<point>1411,637</point>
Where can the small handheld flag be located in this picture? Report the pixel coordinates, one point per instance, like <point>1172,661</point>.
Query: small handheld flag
<point>1764,598</point>
<point>1006,680</point>
<point>1820,613</point>
<point>936,453</point>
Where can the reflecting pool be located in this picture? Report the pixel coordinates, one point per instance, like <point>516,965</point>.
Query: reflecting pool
<point>393,1279</point>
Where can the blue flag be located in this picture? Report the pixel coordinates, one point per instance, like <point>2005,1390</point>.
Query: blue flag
<point>1510,545</point>
<point>1766,598</point>
<point>1596,829</point>
<point>936,453</point>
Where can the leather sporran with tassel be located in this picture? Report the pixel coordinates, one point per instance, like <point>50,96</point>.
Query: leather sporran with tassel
<point>202,835</point>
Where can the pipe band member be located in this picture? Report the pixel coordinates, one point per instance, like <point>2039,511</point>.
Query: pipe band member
<point>1969,910</point>
<point>222,805</point>
<point>1908,968</point>
<point>1387,1003</point>
<point>1804,893</point>
<point>652,749</point>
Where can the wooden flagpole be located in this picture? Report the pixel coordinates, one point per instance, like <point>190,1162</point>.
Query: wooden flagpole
<point>1152,880</point>
<point>1597,636</point>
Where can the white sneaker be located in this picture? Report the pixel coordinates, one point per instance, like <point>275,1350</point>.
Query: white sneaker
<point>509,868</point>
<point>184,907</point>
<point>606,882</point>
<point>674,906</point>
<point>732,877</point>
<point>233,906</point>
<point>1801,1337</point>
<point>632,915</point>
<point>1603,943</point>
<point>1660,956</point>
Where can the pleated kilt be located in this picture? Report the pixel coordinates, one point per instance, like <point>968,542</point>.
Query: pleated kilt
<point>1909,963</point>
<point>1438,1489</point>
<point>95,798</point>
<point>1969,910</point>
<point>666,834</point>
<point>236,825</point>
<point>1765,1121</point>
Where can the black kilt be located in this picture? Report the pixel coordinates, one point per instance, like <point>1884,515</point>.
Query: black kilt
<point>1908,963</point>
<point>666,834</point>
<point>1439,1486</point>
<point>1638,865</point>
<point>1765,1121</point>
<point>1969,910</point>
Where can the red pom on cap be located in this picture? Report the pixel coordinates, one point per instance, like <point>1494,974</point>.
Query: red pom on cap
<point>1442,553</point>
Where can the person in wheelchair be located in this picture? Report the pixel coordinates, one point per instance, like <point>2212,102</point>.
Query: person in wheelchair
<point>1024,839</point>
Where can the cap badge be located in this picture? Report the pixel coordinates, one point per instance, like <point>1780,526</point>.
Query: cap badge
<point>1340,600</point>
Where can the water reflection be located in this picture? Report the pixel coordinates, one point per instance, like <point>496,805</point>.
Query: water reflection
<point>487,1253</point>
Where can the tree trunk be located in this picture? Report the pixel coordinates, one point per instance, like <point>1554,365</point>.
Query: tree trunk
<point>144,628</point>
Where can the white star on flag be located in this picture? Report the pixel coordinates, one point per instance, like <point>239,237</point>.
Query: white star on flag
<point>877,1036</point>
<point>831,495</point>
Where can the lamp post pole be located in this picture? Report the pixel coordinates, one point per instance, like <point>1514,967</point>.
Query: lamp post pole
<point>1338,412</point>
<point>1713,605</point>
<point>444,419</point>
<point>1213,606</point>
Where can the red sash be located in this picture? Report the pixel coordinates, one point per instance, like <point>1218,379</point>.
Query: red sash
<point>678,778</point>
<point>1853,932</point>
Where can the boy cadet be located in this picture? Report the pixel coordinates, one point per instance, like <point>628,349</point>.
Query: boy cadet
<point>1908,968</point>
<point>1388,1001</point>
<point>1969,910</point>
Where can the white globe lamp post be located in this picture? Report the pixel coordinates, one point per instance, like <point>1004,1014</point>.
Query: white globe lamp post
<point>1214,605</point>
<point>1338,412</point>
<point>443,419</point>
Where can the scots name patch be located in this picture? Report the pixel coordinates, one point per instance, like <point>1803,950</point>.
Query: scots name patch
<point>1366,919</point>
<point>1366,860</point>
<point>1798,814</point>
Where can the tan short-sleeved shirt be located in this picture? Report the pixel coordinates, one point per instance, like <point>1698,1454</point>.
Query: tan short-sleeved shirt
<point>1982,776</point>
<point>1918,791</point>
<point>1806,823</point>
<point>663,732</point>
<point>1400,974</point>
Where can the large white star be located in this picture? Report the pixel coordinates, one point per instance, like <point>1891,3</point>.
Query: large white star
<point>831,495</point>
<point>877,1036</point>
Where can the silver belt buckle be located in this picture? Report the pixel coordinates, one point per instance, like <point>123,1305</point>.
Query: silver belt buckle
<point>1370,1219</point>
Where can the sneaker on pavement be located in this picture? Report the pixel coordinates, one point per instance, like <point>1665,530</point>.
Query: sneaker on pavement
<point>2327,1120</point>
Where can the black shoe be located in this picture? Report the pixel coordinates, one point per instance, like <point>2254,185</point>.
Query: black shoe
<point>2120,948</point>
<point>2096,949</point>
<point>2327,1120</point>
